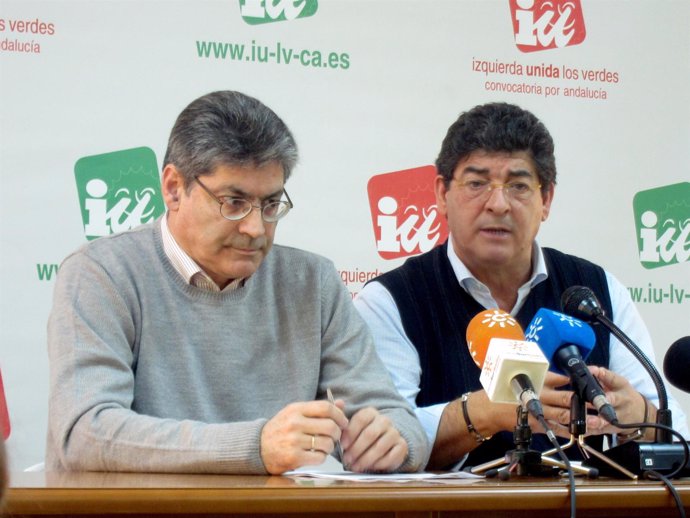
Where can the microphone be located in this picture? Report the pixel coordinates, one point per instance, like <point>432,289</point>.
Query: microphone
<point>567,342</point>
<point>488,324</point>
<point>663,455</point>
<point>677,364</point>
<point>512,369</point>
<point>581,301</point>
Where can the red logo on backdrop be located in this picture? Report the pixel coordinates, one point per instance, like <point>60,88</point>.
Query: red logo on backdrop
<point>404,214</point>
<point>4,415</point>
<point>547,24</point>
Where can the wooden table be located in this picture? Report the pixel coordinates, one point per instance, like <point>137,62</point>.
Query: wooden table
<point>157,495</point>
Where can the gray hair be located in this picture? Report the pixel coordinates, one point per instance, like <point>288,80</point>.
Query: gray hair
<point>228,128</point>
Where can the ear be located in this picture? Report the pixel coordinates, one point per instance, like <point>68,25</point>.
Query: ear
<point>173,187</point>
<point>546,199</point>
<point>441,191</point>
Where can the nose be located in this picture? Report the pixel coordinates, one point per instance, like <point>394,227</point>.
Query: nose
<point>253,224</point>
<point>498,199</point>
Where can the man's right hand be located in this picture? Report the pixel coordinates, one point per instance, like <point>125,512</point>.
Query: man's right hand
<point>301,434</point>
<point>556,405</point>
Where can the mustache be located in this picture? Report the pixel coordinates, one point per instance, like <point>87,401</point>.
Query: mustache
<point>249,244</point>
<point>503,224</point>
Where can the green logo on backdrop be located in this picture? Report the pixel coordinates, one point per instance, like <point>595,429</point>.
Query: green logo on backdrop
<point>118,191</point>
<point>662,221</point>
<point>255,12</point>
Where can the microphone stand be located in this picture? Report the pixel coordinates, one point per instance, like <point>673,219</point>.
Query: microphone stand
<point>578,429</point>
<point>581,301</point>
<point>523,460</point>
<point>663,414</point>
<point>663,454</point>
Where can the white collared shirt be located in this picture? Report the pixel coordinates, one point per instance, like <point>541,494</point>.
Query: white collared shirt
<point>481,293</point>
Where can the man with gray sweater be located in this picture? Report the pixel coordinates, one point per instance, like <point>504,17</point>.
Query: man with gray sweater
<point>193,345</point>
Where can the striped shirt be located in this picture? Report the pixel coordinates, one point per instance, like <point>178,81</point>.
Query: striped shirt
<point>190,271</point>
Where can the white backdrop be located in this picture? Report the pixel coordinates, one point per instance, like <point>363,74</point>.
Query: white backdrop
<point>79,79</point>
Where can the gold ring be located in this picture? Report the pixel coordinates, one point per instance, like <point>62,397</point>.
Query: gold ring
<point>313,442</point>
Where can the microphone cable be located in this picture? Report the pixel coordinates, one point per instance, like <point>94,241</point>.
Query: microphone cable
<point>655,475</point>
<point>651,474</point>
<point>566,461</point>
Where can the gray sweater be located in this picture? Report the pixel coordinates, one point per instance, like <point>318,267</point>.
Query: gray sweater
<point>149,373</point>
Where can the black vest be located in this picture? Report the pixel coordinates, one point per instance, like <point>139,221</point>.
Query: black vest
<point>435,312</point>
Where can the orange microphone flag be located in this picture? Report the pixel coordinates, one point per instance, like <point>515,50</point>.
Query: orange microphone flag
<point>488,324</point>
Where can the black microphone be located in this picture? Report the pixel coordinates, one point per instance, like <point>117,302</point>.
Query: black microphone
<point>677,364</point>
<point>663,455</point>
<point>586,385</point>
<point>581,302</point>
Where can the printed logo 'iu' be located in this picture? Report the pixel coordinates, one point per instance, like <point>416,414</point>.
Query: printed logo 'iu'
<point>662,221</point>
<point>118,191</point>
<point>547,24</point>
<point>404,213</point>
<point>255,12</point>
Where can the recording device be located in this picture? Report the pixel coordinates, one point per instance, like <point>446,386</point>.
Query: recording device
<point>567,341</point>
<point>677,364</point>
<point>663,455</point>
<point>512,369</point>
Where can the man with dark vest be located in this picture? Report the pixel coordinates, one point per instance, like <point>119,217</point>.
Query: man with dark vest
<point>495,185</point>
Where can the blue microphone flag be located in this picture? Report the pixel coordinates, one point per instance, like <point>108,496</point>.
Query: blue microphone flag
<point>551,330</point>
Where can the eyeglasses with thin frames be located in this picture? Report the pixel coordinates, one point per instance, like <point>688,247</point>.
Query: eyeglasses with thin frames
<point>234,209</point>
<point>514,190</point>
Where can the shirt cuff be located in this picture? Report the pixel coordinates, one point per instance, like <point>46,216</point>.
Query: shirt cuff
<point>430,417</point>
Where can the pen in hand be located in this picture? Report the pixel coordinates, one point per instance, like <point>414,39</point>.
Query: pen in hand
<point>338,446</point>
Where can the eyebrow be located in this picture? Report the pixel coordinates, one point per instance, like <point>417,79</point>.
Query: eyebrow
<point>239,193</point>
<point>515,173</point>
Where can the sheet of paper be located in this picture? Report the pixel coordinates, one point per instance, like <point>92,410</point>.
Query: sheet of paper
<point>450,477</point>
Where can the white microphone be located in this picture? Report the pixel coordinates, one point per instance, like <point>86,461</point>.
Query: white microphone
<point>512,368</point>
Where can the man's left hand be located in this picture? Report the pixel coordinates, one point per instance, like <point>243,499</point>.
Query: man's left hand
<point>371,443</point>
<point>628,402</point>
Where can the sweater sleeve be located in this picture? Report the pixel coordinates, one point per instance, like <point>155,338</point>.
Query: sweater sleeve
<point>376,306</point>
<point>355,373</point>
<point>92,332</point>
